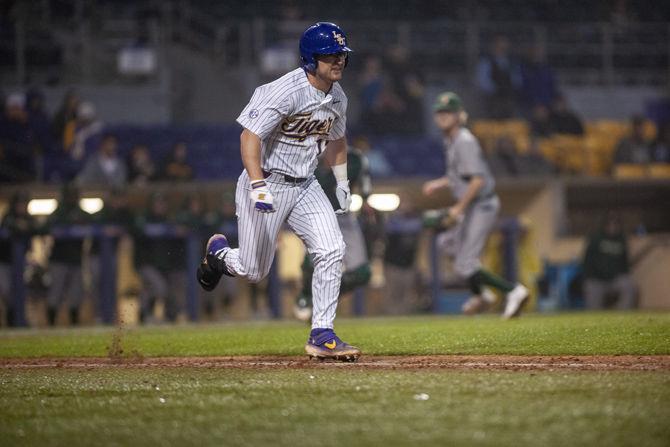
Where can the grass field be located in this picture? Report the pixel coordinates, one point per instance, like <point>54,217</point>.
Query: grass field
<point>570,334</point>
<point>341,404</point>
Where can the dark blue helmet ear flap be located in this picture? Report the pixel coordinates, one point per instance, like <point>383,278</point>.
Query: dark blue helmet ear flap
<point>309,63</point>
<point>322,38</point>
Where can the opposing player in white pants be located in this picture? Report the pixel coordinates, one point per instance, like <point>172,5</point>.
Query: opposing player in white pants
<point>286,126</point>
<point>476,209</point>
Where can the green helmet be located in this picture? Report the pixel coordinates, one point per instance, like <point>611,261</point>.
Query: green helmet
<point>448,102</point>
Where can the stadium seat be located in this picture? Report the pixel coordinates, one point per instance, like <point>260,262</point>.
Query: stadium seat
<point>599,152</point>
<point>489,131</point>
<point>629,171</point>
<point>566,151</point>
<point>659,170</point>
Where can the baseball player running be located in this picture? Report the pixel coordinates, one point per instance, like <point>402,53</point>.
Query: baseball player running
<point>287,125</point>
<point>477,204</point>
<point>356,267</point>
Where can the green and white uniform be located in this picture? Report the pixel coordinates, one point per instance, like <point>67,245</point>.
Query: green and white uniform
<point>465,159</point>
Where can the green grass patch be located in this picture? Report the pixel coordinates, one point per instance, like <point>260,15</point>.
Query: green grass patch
<point>570,334</point>
<point>338,406</point>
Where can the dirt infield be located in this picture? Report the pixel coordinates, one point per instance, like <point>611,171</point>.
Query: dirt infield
<point>452,362</point>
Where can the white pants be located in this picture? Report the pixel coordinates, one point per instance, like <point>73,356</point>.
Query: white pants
<point>465,242</point>
<point>308,212</point>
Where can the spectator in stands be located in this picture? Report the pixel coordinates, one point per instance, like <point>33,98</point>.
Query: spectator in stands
<point>621,16</point>
<point>506,161</point>
<point>533,163</point>
<point>499,80</point>
<point>540,124</point>
<point>660,151</point>
<point>16,224</point>
<point>403,230</point>
<point>16,141</point>
<point>38,120</point>
<point>538,81</point>
<point>372,93</point>
<point>158,260</point>
<point>84,127</point>
<point>65,117</point>
<point>406,84</point>
<point>633,148</point>
<point>503,159</point>
<point>606,267</point>
<point>563,119</point>
<point>105,168</point>
<point>141,167</point>
<point>66,256</point>
<point>176,167</point>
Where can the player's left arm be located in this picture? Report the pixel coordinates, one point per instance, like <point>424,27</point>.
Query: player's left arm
<point>475,185</point>
<point>336,157</point>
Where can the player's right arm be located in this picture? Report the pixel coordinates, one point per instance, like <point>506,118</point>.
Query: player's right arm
<point>260,117</point>
<point>432,186</point>
<point>250,149</point>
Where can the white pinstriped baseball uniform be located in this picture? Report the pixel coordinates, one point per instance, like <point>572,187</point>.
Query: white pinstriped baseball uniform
<point>289,115</point>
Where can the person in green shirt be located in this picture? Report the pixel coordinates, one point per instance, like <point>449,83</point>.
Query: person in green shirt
<point>195,216</point>
<point>115,219</point>
<point>160,259</point>
<point>606,267</point>
<point>65,260</point>
<point>16,223</point>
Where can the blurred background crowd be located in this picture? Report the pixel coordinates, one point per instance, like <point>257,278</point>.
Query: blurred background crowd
<point>118,117</point>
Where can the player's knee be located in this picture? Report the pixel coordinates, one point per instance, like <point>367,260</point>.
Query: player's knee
<point>333,252</point>
<point>465,270</point>
<point>363,274</point>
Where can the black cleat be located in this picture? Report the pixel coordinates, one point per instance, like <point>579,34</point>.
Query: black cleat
<point>212,266</point>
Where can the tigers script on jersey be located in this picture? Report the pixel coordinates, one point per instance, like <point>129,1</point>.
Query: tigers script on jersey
<point>289,115</point>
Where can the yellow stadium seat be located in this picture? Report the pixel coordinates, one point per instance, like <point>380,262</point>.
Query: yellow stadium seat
<point>629,171</point>
<point>600,150</point>
<point>548,149</point>
<point>659,170</point>
<point>489,131</point>
<point>591,154</point>
<point>614,129</point>
<point>572,150</point>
